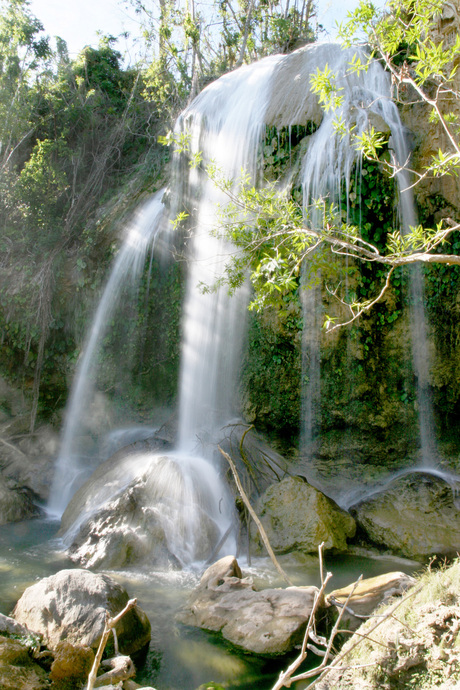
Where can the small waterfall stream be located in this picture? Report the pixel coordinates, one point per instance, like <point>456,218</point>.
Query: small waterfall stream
<point>71,468</point>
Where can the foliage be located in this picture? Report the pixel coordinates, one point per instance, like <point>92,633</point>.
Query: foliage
<point>191,43</point>
<point>72,133</point>
<point>272,372</point>
<point>423,68</point>
<point>272,233</point>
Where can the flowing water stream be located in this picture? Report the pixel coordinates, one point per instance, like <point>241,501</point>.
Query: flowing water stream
<point>73,464</point>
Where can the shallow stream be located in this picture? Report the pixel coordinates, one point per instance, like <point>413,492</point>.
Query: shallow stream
<point>180,658</point>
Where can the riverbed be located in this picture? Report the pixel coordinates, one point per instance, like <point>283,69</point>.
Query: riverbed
<point>180,658</point>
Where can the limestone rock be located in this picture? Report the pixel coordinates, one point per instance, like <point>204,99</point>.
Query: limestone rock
<point>148,517</point>
<point>71,605</point>
<point>12,627</point>
<point>267,622</point>
<point>296,516</point>
<point>72,663</point>
<point>415,516</point>
<point>15,503</point>
<point>367,596</point>
<point>17,669</point>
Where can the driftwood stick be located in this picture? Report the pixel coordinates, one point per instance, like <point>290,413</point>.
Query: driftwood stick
<point>254,517</point>
<point>110,623</point>
<point>284,679</point>
<point>335,665</point>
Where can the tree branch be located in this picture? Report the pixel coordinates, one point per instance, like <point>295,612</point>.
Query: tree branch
<point>254,516</point>
<point>110,624</point>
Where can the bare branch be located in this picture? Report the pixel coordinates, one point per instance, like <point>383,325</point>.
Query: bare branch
<point>110,624</point>
<point>254,516</point>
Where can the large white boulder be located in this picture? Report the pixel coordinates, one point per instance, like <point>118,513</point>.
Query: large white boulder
<point>72,604</point>
<point>267,622</point>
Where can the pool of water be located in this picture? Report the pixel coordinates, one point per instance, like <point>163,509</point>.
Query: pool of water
<point>180,658</point>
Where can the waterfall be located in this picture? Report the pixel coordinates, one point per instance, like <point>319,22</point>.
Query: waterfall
<point>73,465</point>
<point>327,165</point>
<point>226,126</point>
<point>418,318</point>
<point>226,123</point>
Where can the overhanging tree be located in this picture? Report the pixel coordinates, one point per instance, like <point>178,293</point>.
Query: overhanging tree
<point>423,71</point>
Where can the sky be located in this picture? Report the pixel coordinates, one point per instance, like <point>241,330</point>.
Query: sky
<point>77,21</point>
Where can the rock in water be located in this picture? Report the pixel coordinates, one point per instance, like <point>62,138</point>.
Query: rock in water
<point>367,596</point>
<point>414,515</point>
<point>142,508</point>
<point>16,503</point>
<point>72,605</point>
<point>298,517</point>
<point>267,622</point>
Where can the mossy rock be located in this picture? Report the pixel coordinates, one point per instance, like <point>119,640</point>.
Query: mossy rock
<point>298,517</point>
<point>18,671</point>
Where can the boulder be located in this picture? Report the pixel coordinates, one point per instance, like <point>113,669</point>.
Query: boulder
<point>415,516</point>
<point>144,507</point>
<point>298,517</point>
<point>18,671</point>
<point>16,503</point>
<point>368,596</point>
<point>8,627</point>
<point>30,462</point>
<point>71,605</point>
<point>267,622</point>
<point>72,663</point>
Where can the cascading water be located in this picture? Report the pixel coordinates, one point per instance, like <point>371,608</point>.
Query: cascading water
<point>327,166</point>
<point>226,124</point>
<point>71,468</point>
<point>419,327</point>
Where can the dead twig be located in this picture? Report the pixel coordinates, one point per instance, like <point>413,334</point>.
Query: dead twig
<point>335,664</point>
<point>285,676</point>
<point>110,624</point>
<point>254,517</point>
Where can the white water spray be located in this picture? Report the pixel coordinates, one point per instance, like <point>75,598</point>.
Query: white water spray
<point>71,468</point>
<point>226,123</point>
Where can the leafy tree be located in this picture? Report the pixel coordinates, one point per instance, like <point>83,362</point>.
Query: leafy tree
<point>190,43</point>
<point>423,70</point>
<point>71,132</point>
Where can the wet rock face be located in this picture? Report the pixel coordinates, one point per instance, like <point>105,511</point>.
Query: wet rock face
<point>415,516</point>
<point>18,671</point>
<point>298,517</point>
<point>268,622</point>
<point>16,503</point>
<point>72,605</point>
